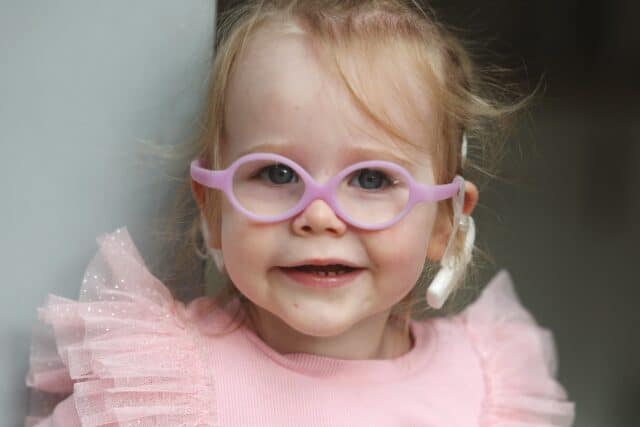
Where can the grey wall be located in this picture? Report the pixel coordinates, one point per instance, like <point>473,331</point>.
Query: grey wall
<point>80,83</point>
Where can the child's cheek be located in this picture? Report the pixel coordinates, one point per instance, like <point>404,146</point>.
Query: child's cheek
<point>241,239</point>
<point>398,250</point>
<point>246,253</point>
<point>407,240</point>
<point>399,253</point>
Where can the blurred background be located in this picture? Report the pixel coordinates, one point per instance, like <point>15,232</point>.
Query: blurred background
<point>563,218</point>
<point>82,82</point>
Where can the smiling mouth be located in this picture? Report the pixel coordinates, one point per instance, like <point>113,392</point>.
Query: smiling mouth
<point>322,270</point>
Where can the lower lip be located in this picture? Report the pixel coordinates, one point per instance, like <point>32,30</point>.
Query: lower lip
<point>315,281</point>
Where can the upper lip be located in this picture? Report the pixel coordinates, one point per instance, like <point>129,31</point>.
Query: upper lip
<point>324,261</point>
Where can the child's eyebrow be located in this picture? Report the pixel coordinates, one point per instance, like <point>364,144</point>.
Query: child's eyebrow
<point>354,153</point>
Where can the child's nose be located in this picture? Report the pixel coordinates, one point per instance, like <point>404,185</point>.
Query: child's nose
<point>318,217</point>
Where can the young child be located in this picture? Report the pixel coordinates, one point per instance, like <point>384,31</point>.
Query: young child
<point>331,176</point>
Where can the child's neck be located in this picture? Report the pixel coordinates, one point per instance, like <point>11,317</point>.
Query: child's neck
<point>376,337</point>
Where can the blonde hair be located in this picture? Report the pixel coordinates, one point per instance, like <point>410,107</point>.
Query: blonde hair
<point>469,101</point>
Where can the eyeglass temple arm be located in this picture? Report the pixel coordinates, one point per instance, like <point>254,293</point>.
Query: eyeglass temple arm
<point>434,193</point>
<point>207,177</point>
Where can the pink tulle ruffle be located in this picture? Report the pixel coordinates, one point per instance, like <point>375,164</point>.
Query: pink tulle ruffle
<point>519,361</point>
<point>124,349</point>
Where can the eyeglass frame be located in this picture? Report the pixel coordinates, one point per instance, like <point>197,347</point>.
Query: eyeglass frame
<point>223,180</point>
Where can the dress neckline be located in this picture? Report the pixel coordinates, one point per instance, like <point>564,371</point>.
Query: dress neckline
<point>373,370</point>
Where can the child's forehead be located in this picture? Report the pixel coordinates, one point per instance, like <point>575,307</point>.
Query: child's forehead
<point>280,88</point>
<point>274,71</point>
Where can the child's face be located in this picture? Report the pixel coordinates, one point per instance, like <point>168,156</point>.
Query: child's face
<point>279,94</point>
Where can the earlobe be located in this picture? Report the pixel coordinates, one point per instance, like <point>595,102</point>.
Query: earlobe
<point>471,196</point>
<point>197,190</point>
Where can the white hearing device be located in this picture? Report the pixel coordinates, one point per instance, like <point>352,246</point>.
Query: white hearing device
<point>450,272</point>
<point>451,268</point>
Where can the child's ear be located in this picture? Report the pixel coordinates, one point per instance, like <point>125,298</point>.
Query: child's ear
<point>197,190</point>
<point>471,196</point>
<point>442,228</point>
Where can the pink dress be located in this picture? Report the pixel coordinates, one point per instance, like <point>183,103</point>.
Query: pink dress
<point>128,354</point>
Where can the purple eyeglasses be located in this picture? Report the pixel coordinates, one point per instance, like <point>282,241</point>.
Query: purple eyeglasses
<point>370,195</point>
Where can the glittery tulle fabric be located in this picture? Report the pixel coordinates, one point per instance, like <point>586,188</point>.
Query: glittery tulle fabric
<point>124,349</point>
<point>519,361</point>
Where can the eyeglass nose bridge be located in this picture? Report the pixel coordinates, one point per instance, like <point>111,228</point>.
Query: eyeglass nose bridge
<point>314,191</point>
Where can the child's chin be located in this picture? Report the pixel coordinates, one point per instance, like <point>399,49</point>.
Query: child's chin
<point>319,323</point>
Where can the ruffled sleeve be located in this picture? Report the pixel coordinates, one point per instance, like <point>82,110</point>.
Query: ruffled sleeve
<point>519,361</point>
<point>124,351</point>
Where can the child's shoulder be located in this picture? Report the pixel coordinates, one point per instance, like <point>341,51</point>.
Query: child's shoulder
<point>125,346</point>
<point>516,355</point>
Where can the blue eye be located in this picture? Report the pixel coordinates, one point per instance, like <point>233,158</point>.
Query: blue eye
<point>278,174</point>
<point>370,179</point>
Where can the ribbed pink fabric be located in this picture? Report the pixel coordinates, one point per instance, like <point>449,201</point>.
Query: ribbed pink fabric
<point>128,354</point>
